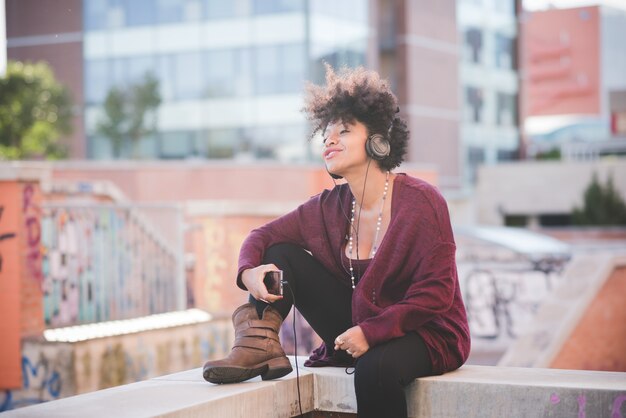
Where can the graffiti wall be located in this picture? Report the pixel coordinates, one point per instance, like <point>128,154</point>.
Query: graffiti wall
<point>20,273</point>
<point>106,262</point>
<point>217,245</point>
<point>56,370</point>
<point>46,373</point>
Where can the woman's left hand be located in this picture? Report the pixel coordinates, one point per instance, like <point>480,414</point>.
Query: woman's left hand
<point>353,341</point>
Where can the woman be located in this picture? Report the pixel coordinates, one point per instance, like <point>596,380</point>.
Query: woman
<point>371,263</point>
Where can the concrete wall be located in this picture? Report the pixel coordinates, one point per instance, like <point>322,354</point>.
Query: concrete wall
<point>220,180</point>
<point>540,187</point>
<point>55,370</point>
<point>471,391</point>
<point>598,342</point>
<point>580,324</point>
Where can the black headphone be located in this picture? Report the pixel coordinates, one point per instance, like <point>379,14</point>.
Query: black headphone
<point>377,147</point>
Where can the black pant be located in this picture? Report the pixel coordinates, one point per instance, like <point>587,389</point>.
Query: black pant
<point>384,370</point>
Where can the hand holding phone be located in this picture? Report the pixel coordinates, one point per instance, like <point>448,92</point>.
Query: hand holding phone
<point>273,281</point>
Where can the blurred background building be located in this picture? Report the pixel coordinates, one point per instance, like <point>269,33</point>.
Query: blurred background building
<point>489,83</point>
<point>574,82</point>
<point>231,74</point>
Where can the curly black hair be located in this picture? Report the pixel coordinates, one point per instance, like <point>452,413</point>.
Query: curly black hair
<point>357,93</point>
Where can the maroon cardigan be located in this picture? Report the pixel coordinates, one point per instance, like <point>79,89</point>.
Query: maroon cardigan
<point>410,285</point>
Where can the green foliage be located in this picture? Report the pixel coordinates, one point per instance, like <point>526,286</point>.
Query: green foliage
<point>553,154</point>
<point>602,205</point>
<point>35,111</point>
<point>126,111</point>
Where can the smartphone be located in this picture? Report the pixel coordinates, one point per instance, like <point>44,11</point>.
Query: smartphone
<point>273,281</point>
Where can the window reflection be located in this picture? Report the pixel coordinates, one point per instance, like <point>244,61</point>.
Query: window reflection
<point>97,80</point>
<point>506,108</point>
<point>279,69</point>
<point>473,45</point>
<point>277,6</point>
<point>176,144</point>
<point>474,99</point>
<point>139,12</point>
<point>237,69</point>
<point>505,52</point>
<point>188,76</point>
<point>171,11</point>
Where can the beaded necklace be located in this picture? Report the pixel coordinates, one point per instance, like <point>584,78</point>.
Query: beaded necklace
<point>376,234</point>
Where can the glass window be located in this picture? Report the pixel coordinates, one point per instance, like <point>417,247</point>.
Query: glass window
<point>354,10</point>
<point>99,148</point>
<point>138,67</point>
<point>221,143</point>
<point>221,73</point>
<point>94,14</point>
<point>165,75</point>
<point>176,144</point>
<point>139,12</point>
<point>505,6</point>
<point>267,70</point>
<point>475,158</point>
<point>506,108</point>
<point>474,104</point>
<point>188,76</point>
<point>293,59</point>
<point>473,45</point>
<point>149,147</point>
<point>119,74</point>
<point>277,6</point>
<point>337,58</point>
<point>507,155</point>
<point>170,11</point>
<point>279,69</point>
<point>286,143</point>
<point>505,52</point>
<point>97,80</point>
<point>220,9</point>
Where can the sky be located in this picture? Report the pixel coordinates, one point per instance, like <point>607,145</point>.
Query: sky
<point>545,4</point>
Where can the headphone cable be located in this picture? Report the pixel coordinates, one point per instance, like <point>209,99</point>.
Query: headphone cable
<point>295,345</point>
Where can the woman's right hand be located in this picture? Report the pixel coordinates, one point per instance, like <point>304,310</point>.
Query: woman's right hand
<point>253,280</point>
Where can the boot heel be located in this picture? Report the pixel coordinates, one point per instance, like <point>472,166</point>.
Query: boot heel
<point>277,368</point>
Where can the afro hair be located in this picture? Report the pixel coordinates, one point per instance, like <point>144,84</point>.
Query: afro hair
<point>359,94</point>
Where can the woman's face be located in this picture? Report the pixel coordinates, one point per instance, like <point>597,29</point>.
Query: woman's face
<point>344,146</point>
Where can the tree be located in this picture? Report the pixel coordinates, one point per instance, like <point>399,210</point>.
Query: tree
<point>126,111</point>
<point>602,205</point>
<point>35,112</point>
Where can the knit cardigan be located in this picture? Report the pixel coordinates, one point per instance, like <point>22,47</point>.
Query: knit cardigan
<point>411,285</point>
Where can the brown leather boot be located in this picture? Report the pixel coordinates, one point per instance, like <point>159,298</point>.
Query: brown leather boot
<point>257,349</point>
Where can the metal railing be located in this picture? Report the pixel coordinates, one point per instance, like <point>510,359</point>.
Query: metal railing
<point>104,262</point>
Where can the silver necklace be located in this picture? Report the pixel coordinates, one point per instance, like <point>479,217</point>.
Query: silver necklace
<point>376,234</point>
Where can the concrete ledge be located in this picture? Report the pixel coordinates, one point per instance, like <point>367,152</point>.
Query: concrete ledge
<point>472,391</point>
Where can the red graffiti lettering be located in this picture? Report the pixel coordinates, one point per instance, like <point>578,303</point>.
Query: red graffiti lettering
<point>29,191</point>
<point>33,233</point>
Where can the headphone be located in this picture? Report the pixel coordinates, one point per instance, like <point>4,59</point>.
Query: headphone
<point>377,147</point>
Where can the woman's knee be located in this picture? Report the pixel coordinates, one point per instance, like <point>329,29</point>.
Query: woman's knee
<point>371,373</point>
<point>280,251</point>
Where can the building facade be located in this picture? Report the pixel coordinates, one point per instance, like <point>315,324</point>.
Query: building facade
<point>231,74</point>
<point>489,82</point>
<point>574,90</point>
